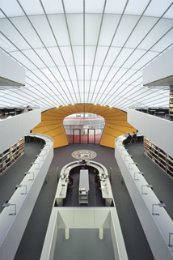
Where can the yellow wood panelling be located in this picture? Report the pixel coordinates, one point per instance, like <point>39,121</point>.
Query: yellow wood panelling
<point>115,123</point>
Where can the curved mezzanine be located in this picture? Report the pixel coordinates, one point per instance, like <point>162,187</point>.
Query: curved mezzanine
<point>14,218</point>
<point>155,221</point>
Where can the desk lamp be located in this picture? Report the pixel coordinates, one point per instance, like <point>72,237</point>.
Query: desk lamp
<point>6,204</point>
<point>132,163</point>
<point>20,185</point>
<point>161,204</point>
<point>36,163</point>
<point>137,173</point>
<point>29,173</point>
<point>148,185</point>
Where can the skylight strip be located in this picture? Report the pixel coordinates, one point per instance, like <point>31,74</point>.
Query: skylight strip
<point>141,96</point>
<point>15,99</point>
<point>103,12</point>
<point>138,44</point>
<point>24,64</point>
<point>49,55</point>
<point>65,15</point>
<point>36,93</point>
<point>84,51</point>
<point>57,45</point>
<point>141,16</point>
<point>109,47</point>
<point>152,103</point>
<point>27,56</point>
<point>35,88</point>
<point>34,96</point>
<point>144,64</point>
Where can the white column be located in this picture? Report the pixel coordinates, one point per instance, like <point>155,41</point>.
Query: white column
<point>66,233</point>
<point>100,233</point>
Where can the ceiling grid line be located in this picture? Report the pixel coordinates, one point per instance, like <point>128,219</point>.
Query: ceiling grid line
<point>139,44</point>
<point>140,17</point>
<point>65,15</point>
<point>110,46</point>
<point>47,52</point>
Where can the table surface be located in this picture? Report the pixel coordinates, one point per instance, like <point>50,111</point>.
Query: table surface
<point>106,189</point>
<point>84,180</point>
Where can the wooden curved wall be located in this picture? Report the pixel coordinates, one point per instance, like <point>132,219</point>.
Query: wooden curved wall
<point>115,123</point>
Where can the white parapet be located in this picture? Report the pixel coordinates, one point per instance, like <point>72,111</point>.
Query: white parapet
<point>158,130</point>
<point>82,218</point>
<point>155,221</point>
<point>160,71</point>
<point>12,226</point>
<point>11,72</point>
<point>13,128</point>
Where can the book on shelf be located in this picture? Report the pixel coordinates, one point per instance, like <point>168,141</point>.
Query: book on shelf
<point>158,156</point>
<point>10,155</point>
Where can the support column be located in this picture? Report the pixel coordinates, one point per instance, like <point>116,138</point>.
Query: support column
<point>100,233</point>
<point>66,233</point>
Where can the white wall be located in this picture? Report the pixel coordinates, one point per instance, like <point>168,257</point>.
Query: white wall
<point>156,227</point>
<point>13,128</point>
<point>158,130</point>
<point>160,71</point>
<point>10,70</point>
<point>13,227</point>
<point>84,218</point>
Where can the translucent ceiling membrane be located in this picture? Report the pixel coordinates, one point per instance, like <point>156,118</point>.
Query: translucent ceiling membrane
<point>85,51</point>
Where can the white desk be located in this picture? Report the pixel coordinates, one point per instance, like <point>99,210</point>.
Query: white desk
<point>61,192</point>
<point>83,187</point>
<point>106,189</point>
<point>105,186</point>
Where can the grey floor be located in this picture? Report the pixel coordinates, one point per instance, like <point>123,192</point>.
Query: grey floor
<point>84,244</point>
<point>33,238</point>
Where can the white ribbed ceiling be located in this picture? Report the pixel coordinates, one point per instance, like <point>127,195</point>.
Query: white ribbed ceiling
<point>90,51</point>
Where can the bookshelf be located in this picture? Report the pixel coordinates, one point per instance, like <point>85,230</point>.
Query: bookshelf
<point>171,102</point>
<point>158,156</point>
<point>10,155</point>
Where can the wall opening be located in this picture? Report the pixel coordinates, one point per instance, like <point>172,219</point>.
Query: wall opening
<point>84,128</point>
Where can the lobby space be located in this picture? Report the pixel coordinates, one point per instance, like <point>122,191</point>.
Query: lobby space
<point>134,237</point>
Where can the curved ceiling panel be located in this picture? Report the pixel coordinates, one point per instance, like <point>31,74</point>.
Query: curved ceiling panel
<point>115,123</point>
<point>90,51</point>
